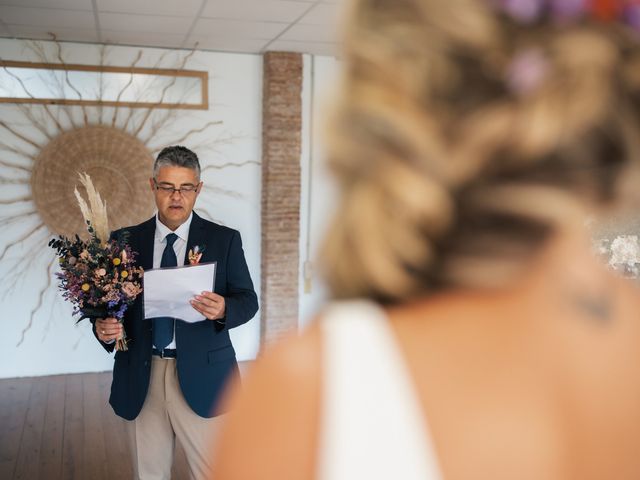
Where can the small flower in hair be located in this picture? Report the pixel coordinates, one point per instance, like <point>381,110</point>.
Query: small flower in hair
<point>631,15</point>
<point>195,254</point>
<point>525,11</point>
<point>606,10</point>
<point>567,10</point>
<point>527,71</point>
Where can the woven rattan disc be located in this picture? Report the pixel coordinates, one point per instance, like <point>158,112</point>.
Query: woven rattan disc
<point>119,166</point>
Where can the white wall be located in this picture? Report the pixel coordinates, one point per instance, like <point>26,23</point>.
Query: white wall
<point>318,191</point>
<point>53,344</point>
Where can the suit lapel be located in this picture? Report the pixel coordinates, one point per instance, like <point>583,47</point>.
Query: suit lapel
<point>196,236</point>
<point>146,244</point>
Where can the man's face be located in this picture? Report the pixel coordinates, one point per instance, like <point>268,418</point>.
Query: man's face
<point>175,207</point>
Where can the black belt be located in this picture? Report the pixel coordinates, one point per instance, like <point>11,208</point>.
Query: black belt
<point>165,353</point>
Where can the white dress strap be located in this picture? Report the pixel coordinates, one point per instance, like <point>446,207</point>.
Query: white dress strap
<point>372,426</point>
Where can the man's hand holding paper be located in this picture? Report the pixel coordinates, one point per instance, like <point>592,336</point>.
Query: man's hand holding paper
<point>183,293</point>
<point>209,304</point>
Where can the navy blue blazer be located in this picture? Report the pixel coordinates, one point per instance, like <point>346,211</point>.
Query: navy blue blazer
<point>206,358</point>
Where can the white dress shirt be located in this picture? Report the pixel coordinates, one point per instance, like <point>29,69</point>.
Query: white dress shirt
<point>179,246</point>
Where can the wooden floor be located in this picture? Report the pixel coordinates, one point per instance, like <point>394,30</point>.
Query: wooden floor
<point>62,427</point>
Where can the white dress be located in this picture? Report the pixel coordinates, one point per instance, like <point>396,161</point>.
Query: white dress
<point>372,426</point>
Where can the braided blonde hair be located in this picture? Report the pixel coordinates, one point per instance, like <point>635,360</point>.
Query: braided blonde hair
<point>449,177</point>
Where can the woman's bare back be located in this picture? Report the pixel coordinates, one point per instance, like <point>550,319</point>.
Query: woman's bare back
<point>539,381</point>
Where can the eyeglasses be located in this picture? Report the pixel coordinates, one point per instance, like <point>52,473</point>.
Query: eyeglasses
<point>168,189</point>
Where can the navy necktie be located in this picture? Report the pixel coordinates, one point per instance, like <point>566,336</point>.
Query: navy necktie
<point>163,326</point>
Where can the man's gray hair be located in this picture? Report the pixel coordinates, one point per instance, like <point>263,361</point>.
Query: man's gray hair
<point>176,156</point>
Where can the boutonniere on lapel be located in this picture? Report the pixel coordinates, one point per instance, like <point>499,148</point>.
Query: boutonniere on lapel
<point>195,254</point>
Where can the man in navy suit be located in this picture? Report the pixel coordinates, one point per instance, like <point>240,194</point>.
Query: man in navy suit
<point>169,381</point>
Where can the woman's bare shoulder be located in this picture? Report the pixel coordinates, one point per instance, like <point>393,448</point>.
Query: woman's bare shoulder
<point>274,414</point>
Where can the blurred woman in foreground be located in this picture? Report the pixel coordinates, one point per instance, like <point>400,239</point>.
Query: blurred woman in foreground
<point>471,141</point>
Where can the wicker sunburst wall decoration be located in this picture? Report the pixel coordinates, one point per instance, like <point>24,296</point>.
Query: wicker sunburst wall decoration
<point>119,163</point>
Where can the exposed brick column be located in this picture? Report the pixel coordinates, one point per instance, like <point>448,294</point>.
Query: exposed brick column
<point>281,150</point>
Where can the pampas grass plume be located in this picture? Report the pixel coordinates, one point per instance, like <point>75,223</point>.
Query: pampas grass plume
<point>95,211</point>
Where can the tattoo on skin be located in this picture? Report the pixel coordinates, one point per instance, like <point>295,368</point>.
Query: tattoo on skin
<point>596,306</point>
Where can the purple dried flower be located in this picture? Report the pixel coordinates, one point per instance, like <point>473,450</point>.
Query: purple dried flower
<point>631,15</point>
<point>120,313</point>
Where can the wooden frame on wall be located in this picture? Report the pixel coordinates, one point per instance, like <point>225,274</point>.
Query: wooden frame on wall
<point>202,76</point>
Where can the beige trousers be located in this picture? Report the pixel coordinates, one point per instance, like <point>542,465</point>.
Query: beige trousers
<point>166,416</point>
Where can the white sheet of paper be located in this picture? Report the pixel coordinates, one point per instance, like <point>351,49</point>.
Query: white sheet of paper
<point>167,291</point>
